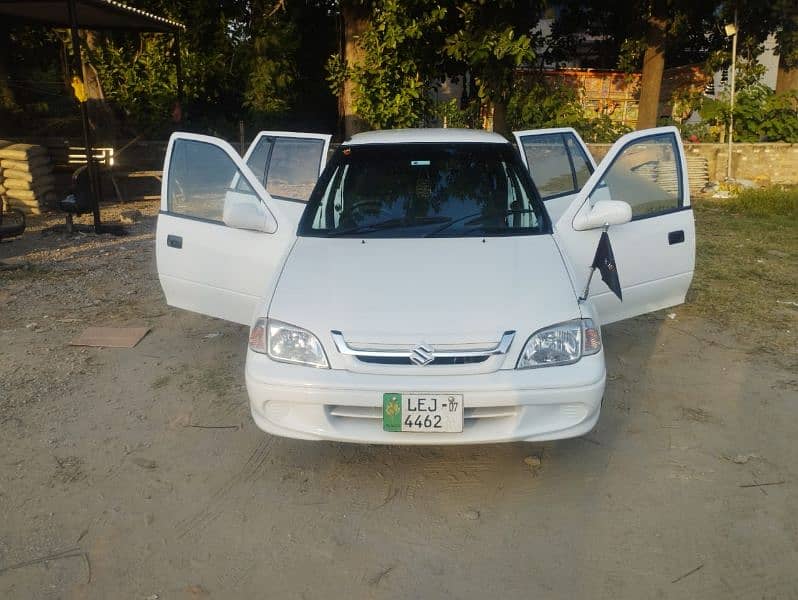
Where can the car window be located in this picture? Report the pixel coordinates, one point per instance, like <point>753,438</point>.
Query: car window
<point>418,190</point>
<point>200,179</point>
<point>583,168</point>
<point>557,162</point>
<point>645,174</point>
<point>287,166</point>
<point>549,164</point>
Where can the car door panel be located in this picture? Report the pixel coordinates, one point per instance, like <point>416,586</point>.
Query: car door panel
<point>558,161</point>
<point>655,251</point>
<point>219,271</point>
<point>204,265</point>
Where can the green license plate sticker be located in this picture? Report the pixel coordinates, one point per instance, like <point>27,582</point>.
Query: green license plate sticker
<point>392,412</point>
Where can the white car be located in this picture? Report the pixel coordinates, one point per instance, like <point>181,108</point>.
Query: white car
<point>422,288</point>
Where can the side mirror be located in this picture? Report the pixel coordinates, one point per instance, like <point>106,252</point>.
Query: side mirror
<point>603,212</point>
<point>245,211</point>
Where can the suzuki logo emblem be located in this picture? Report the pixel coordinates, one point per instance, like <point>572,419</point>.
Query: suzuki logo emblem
<point>422,354</point>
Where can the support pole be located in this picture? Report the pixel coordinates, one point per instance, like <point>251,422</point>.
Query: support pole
<point>731,100</point>
<point>583,297</point>
<point>178,68</point>
<point>77,67</point>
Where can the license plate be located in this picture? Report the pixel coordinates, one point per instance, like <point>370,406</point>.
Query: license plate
<point>420,412</point>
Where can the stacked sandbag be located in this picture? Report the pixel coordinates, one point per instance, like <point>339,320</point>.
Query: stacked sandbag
<point>27,177</point>
<point>3,144</point>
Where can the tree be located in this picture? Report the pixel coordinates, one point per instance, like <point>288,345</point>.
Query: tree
<point>786,15</point>
<point>490,40</point>
<point>7,102</point>
<point>259,61</point>
<point>354,17</point>
<point>653,34</point>
<point>653,65</point>
<point>400,59</point>
<point>640,33</point>
<point>272,42</point>
<point>404,46</point>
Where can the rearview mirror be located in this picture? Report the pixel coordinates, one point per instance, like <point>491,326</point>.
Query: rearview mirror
<point>601,214</point>
<point>245,211</point>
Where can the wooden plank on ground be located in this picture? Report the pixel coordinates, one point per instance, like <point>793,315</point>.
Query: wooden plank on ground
<point>110,337</point>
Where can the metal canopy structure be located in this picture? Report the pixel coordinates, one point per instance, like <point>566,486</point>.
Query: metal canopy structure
<point>95,15</point>
<point>91,14</point>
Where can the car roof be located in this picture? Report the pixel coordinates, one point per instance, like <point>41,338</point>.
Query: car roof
<point>430,135</point>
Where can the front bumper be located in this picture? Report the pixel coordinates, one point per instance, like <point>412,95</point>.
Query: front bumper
<point>506,405</point>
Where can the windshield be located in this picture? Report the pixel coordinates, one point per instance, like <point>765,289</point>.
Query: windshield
<point>424,190</point>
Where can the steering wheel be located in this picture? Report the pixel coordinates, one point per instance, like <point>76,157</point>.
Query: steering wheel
<point>372,208</point>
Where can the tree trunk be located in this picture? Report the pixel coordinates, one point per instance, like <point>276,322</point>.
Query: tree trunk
<point>786,79</point>
<point>653,66</point>
<point>102,117</point>
<point>90,77</point>
<point>355,18</point>
<point>500,118</point>
<point>6,93</point>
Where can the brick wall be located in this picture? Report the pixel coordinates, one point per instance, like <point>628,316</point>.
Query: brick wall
<point>762,163</point>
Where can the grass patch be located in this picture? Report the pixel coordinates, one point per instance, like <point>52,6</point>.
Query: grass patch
<point>746,274</point>
<point>764,202</point>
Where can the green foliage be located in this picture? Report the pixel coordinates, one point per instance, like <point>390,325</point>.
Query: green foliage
<point>684,101</point>
<point>451,114</point>
<point>698,132</point>
<point>490,40</point>
<point>272,68</point>
<point>491,54</point>
<point>537,104</point>
<point>336,73</point>
<point>250,60</point>
<point>616,31</point>
<point>412,43</point>
<point>140,81</point>
<point>601,129</point>
<point>393,79</point>
<point>760,115</point>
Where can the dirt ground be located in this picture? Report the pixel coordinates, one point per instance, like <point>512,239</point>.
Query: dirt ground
<point>138,473</point>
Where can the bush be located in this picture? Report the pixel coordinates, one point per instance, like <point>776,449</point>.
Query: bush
<point>538,104</point>
<point>451,115</point>
<point>760,115</point>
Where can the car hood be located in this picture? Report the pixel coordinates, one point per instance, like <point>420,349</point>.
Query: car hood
<point>431,290</point>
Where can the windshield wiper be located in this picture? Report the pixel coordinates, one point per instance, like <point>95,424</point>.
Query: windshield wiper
<point>479,217</point>
<point>389,224</point>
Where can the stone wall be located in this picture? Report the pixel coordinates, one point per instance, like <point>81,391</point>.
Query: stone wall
<point>761,163</point>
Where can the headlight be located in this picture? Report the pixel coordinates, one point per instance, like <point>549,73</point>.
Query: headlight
<point>287,343</point>
<point>561,344</point>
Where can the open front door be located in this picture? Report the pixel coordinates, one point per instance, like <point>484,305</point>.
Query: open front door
<point>655,251</point>
<point>559,163</point>
<point>220,237</point>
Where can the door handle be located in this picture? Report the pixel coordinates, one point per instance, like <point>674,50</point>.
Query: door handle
<point>174,241</point>
<point>676,237</point>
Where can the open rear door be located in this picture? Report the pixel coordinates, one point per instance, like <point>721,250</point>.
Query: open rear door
<point>655,251</point>
<point>559,163</point>
<point>288,163</point>
<point>221,238</point>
